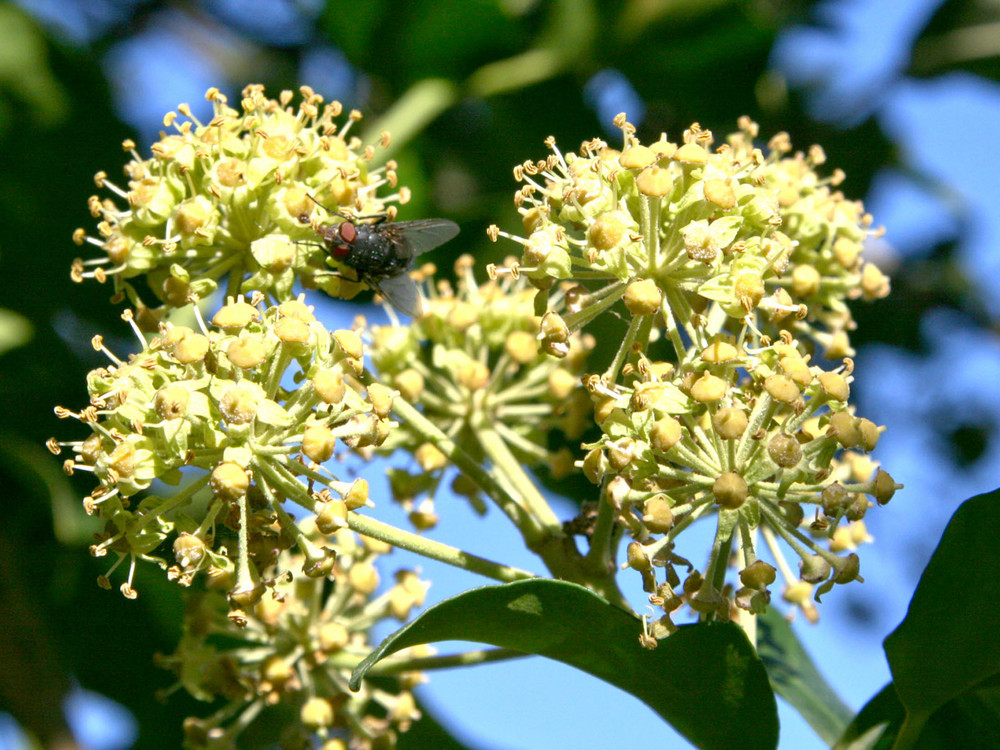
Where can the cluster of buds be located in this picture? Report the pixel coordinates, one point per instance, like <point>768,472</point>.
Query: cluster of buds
<point>294,652</point>
<point>217,413</point>
<point>238,195</point>
<point>752,438</point>
<point>729,233</point>
<point>733,268</point>
<point>476,364</point>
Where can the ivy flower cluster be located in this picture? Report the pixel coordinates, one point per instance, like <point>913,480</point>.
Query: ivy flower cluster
<point>294,651</point>
<point>729,233</point>
<point>476,363</point>
<point>237,196</point>
<point>733,267</point>
<point>239,416</point>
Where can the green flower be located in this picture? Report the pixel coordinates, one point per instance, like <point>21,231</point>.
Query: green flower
<point>295,649</point>
<point>474,364</point>
<point>234,196</point>
<point>212,413</point>
<point>757,237</point>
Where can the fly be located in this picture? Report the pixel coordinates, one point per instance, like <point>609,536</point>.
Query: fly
<point>382,254</point>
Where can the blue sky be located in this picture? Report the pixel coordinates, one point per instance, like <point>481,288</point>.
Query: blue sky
<point>850,65</point>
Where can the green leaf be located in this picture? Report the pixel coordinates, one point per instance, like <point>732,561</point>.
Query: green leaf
<point>947,644</point>
<point>876,725</point>
<point>706,680</point>
<point>795,678</point>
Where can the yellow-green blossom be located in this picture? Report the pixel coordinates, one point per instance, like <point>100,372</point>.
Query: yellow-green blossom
<point>235,196</point>
<point>294,650</point>
<point>212,417</point>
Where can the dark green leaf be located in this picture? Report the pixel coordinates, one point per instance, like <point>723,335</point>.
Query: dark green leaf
<point>796,679</point>
<point>706,680</point>
<point>876,725</point>
<point>946,644</point>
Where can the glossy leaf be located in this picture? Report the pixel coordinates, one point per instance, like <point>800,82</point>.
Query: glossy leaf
<point>706,680</point>
<point>947,644</point>
<point>796,679</point>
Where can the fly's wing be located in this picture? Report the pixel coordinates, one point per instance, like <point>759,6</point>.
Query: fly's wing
<point>415,237</point>
<point>401,292</point>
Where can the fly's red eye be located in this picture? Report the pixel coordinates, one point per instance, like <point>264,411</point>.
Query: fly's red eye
<point>340,251</point>
<point>347,232</point>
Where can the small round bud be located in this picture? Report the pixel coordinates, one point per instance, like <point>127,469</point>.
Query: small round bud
<point>171,401</point>
<point>729,422</point>
<point>409,383</point>
<point>381,399</point>
<point>239,404</point>
<point>363,578</point>
<point>637,559</point>
<point>813,569</point>
<point>329,385</point>
<point>192,348</point>
<point>805,281</point>
<point>229,481</point>
<point>607,231</point>
<point>276,671</point>
<point>595,464</point>
<point>782,389</point>
<point>637,157</point>
<point>835,499</point>
<point>665,434</point>
<point>719,351</point>
<point>657,514</point>
<point>720,193</point>
<point>332,517</point>
<point>235,315</point>
<point>297,309</point>
<point>473,374</point>
<point>848,569</point>
<point>246,352</point>
<point>316,714</point>
<point>350,343</point>
<point>189,550</point>
<point>562,383</point>
<point>655,182</point>
<point>521,346</point>
<point>430,458</point>
<point>784,450</point>
<point>844,427</point>
<point>709,388</point>
<point>333,637</point>
<point>835,385</point>
<point>796,368</point>
<point>642,297</point>
<point>318,443</point>
<point>730,490</point>
<point>292,331</point>
<point>885,487</point>
<point>758,575</point>
<point>691,153</point>
<point>357,494</point>
<point>621,454</point>
<point>868,434</point>
<point>555,335</point>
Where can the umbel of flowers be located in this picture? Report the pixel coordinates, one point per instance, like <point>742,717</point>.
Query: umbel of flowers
<point>287,664</point>
<point>734,267</point>
<point>476,367</point>
<point>234,197</point>
<point>237,416</point>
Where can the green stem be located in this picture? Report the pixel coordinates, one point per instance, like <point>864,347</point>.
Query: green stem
<point>488,484</point>
<point>434,550</point>
<point>508,465</point>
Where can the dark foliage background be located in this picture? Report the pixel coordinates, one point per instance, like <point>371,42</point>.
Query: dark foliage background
<point>484,81</point>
